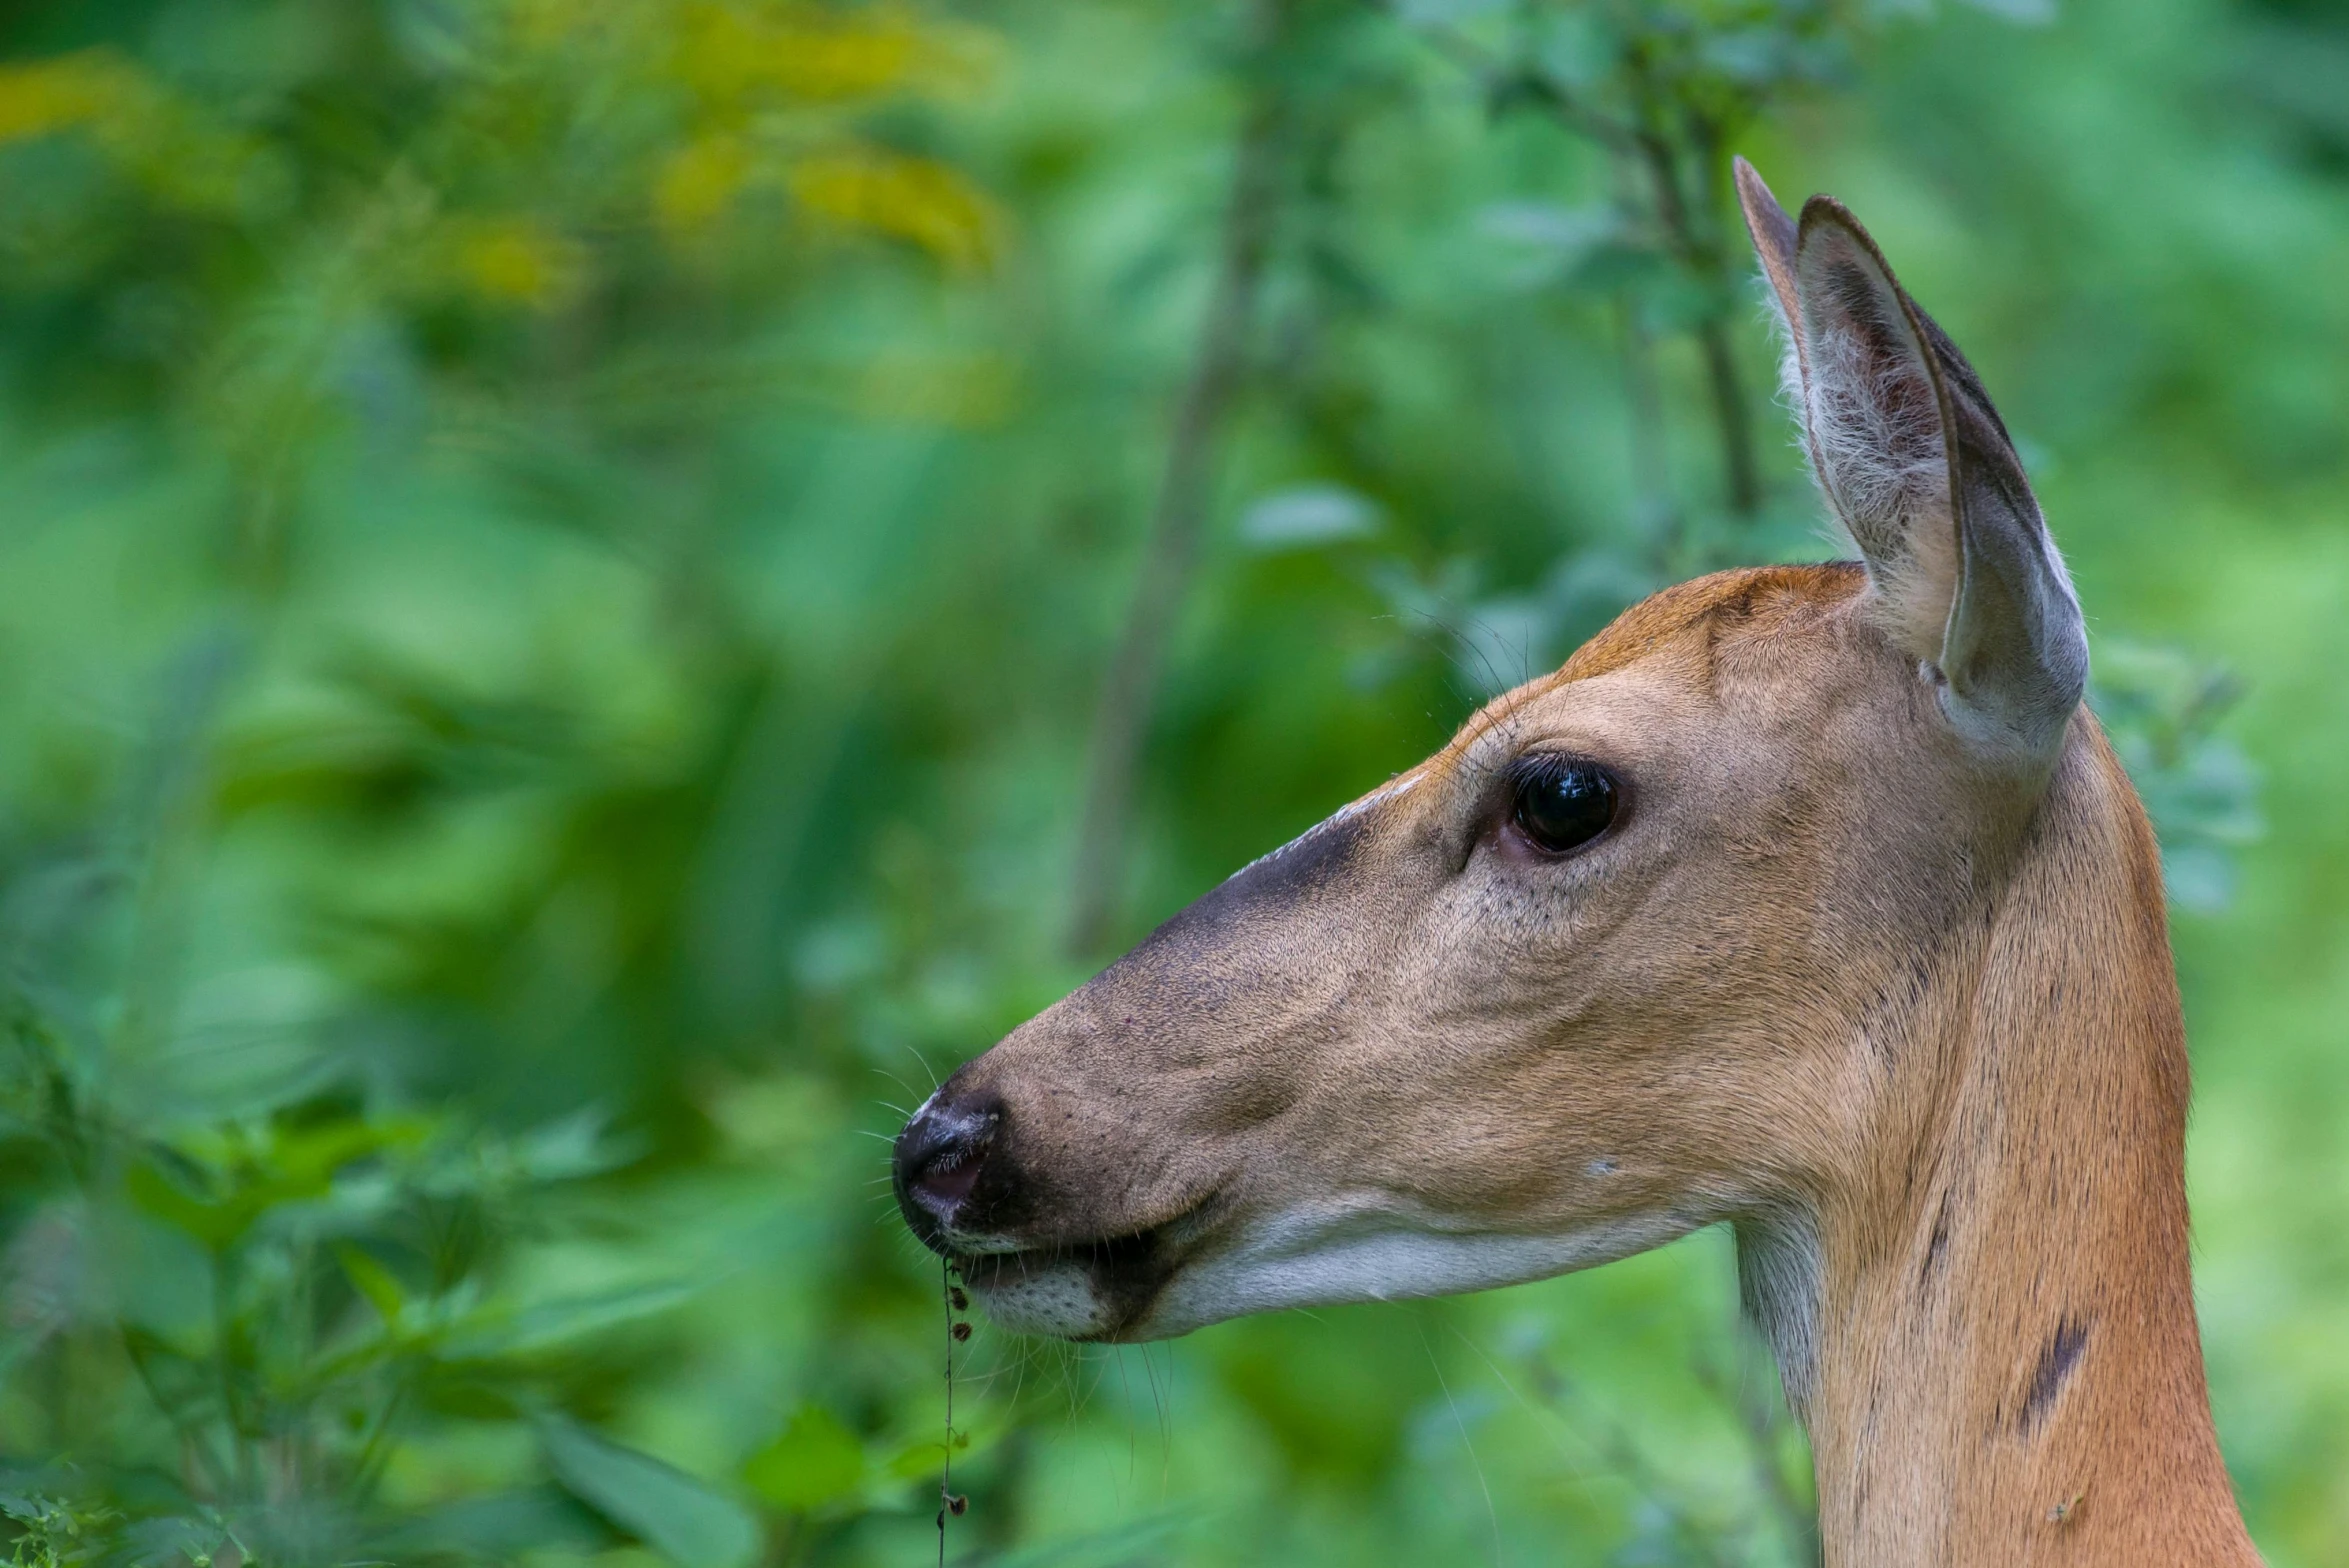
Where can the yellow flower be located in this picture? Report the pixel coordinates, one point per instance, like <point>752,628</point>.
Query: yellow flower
<point>516,261</point>
<point>700,180</point>
<point>40,97</point>
<point>916,199</point>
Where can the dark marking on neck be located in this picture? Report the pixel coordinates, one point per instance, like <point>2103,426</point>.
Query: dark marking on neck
<point>1893,1012</point>
<point>2057,1359</point>
<point>1936,1250</point>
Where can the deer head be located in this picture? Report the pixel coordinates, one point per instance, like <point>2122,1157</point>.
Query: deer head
<point>1752,912</point>
<point>1605,968</point>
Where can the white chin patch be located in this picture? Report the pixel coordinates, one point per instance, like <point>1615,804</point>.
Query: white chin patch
<point>1370,1253</point>
<point>1358,1249</point>
<point>1056,1300</point>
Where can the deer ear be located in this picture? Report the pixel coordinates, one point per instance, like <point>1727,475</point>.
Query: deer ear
<point>1919,469</point>
<point>1774,241</point>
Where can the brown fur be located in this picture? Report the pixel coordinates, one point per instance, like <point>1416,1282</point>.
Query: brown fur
<point>1848,978</point>
<point>1891,995</point>
<point>1722,597</point>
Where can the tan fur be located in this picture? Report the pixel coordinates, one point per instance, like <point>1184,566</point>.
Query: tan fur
<point>1828,975</point>
<point>1890,994</point>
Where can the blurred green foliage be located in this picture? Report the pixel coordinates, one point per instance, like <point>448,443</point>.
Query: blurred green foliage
<point>557,567</point>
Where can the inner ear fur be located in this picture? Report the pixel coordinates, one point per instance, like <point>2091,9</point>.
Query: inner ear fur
<point>1876,417</point>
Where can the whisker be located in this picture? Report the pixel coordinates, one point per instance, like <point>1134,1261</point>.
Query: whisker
<point>1126,1389</point>
<point>922,1062</point>
<point>1492,1515</point>
<point>883,1072</point>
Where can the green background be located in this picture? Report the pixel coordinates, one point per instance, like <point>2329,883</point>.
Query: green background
<point>558,565</point>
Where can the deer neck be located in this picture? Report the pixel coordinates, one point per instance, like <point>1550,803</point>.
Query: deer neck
<point>1996,1354</point>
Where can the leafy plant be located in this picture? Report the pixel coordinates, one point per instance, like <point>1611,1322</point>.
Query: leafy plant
<point>562,568</point>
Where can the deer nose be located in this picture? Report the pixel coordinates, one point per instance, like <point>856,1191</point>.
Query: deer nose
<point>938,1159</point>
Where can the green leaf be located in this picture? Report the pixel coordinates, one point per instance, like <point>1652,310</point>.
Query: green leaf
<point>1140,1540</point>
<point>1306,516</point>
<point>916,1460</point>
<point>372,1280</point>
<point>552,1323</point>
<point>1443,13</point>
<point>816,1461</point>
<point>577,1145</point>
<point>1564,232</point>
<point>676,1515</point>
<point>502,1527</point>
<point>215,1223</point>
<point>306,1160</point>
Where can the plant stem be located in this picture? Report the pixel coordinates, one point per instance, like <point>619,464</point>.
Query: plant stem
<point>1732,420</point>
<point>1654,142</point>
<point>1698,248</point>
<point>224,1366</point>
<point>1129,695</point>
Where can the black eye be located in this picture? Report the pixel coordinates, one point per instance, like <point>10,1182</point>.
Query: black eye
<point>1562,803</point>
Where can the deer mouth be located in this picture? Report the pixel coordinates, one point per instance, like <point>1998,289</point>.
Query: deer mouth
<point>1092,1290</point>
<point>968,1195</point>
<point>1099,1290</point>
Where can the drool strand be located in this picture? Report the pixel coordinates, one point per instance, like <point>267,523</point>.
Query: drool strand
<point>948,1501</point>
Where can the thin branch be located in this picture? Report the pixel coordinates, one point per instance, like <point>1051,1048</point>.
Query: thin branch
<point>1732,412</point>
<point>1129,696</point>
<point>1732,418</point>
<point>1688,232</point>
<point>1650,468</point>
<point>1504,84</point>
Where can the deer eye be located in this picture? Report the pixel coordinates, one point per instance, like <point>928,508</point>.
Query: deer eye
<point>1563,803</point>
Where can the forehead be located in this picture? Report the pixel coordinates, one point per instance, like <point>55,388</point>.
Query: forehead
<point>1752,617</point>
<point>1706,611</point>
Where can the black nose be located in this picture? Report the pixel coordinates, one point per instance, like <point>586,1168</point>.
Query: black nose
<point>939,1158</point>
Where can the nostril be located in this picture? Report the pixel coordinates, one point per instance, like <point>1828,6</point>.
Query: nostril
<point>947,1180</point>
<point>940,1156</point>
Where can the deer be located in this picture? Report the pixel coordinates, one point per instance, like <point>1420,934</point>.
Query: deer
<point>1810,900</point>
